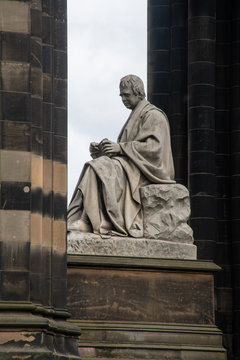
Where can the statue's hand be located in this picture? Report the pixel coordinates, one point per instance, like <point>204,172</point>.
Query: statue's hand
<point>93,146</point>
<point>110,148</point>
<point>94,150</point>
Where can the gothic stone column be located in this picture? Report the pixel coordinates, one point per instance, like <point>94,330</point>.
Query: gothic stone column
<point>201,124</point>
<point>33,181</point>
<point>167,72</point>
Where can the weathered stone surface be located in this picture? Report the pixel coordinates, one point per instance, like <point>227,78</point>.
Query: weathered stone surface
<point>15,165</point>
<point>140,296</point>
<point>15,16</point>
<point>91,244</point>
<point>143,310</point>
<point>166,209</point>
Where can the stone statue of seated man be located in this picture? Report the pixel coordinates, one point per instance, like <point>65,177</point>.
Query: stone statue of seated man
<point>107,198</point>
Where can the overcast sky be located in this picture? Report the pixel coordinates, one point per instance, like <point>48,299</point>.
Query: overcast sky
<point>106,40</point>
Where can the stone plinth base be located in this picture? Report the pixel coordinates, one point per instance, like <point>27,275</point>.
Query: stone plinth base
<point>91,244</point>
<point>135,308</point>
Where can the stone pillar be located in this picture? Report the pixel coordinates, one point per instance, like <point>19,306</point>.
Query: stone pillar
<point>223,281</point>
<point>159,53</point>
<point>201,123</point>
<point>235,172</point>
<point>178,88</point>
<point>33,182</point>
<point>167,72</point>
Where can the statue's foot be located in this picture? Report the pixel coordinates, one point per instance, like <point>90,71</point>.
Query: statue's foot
<point>79,225</point>
<point>106,226</point>
<point>72,226</point>
<point>84,226</point>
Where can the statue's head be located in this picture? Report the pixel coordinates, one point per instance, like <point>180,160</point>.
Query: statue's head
<point>135,83</point>
<point>131,90</point>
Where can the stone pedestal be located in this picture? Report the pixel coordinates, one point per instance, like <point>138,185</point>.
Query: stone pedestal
<point>144,298</point>
<point>130,307</point>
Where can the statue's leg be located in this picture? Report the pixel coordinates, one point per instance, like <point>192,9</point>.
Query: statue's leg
<point>93,203</point>
<point>84,223</point>
<point>105,223</point>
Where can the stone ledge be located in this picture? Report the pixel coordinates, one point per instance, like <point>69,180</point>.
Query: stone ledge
<point>196,341</point>
<point>92,244</point>
<point>182,265</point>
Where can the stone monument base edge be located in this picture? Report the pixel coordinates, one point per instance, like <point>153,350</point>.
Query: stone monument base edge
<point>142,262</point>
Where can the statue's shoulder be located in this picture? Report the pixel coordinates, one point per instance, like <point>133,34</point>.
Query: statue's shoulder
<point>150,108</point>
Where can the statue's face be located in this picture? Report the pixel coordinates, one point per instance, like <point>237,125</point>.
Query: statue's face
<point>129,99</point>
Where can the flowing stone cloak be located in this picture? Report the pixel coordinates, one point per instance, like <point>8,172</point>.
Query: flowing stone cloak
<point>108,188</point>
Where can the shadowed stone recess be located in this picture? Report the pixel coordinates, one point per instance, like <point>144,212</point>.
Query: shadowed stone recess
<point>166,210</point>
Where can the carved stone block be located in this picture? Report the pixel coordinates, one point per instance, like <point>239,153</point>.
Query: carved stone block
<point>166,210</point>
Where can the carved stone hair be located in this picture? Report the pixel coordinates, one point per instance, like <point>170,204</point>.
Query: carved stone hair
<point>136,84</point>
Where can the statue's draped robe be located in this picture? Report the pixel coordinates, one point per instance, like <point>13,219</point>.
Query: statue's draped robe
<point>108,188</point>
